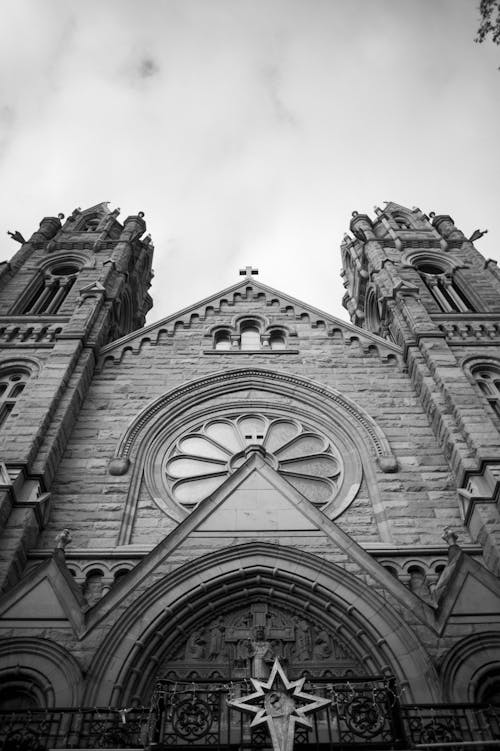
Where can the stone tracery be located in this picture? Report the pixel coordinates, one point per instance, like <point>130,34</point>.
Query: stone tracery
<point>200,460</point>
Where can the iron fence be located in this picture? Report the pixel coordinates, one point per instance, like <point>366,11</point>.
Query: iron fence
<point>362,714</point>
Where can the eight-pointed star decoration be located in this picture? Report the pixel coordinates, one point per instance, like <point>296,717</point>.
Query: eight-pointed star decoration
<point>281,704</point>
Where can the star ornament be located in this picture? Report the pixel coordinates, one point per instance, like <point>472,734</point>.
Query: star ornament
<point>281,704</point>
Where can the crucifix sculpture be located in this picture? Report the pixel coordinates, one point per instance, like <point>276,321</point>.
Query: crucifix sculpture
<point>281,704</point>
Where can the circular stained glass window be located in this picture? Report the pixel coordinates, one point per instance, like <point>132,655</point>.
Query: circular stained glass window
<point>200,461</point>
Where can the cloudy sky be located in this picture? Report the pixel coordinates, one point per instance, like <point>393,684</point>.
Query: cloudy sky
<point>247,130</point>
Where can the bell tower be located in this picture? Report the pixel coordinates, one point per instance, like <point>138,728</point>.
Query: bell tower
<point>417,280</point>
<point>73,287</point>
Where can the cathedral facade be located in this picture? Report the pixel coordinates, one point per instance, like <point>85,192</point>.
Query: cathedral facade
<point>249,478</point>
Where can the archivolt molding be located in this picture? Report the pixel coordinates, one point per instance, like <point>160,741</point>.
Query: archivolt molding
<point>124,668</point>
<point>467,665</point>
<point>416,256</point>
<point>56,672</point>
<point>69,256</point>
<point>353,431</point>
<point>28,364</point>
<point>474,362</point>
<point>184,397</point>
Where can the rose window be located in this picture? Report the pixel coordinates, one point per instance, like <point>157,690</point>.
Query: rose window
<point>200,461</point>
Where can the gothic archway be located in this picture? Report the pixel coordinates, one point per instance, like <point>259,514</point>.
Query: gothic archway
<point>289,586</point>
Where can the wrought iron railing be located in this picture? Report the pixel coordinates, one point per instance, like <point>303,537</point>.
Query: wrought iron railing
<point>449,726</point>
<point>37,730</point>
<point>362,714</point>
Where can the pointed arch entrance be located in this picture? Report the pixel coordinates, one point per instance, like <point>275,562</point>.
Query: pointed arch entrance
<point>302,601</point>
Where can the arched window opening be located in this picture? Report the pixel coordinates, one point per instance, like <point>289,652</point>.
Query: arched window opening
<point>372,313</point>
<point>489,689</point>
<point>12,384</point>
<point>93,588</point>
<point>18,695</point>
<point>392,571</point>
<point>418,582</point>
<point>222,340</point>
<point>120,574</point>
<point>488,380</point>
<point>443,288</point>
<point>51,291</point>
<point>91,224</point>
<point>250,336</point>
<point>401,222</point>
<point>277,340</point>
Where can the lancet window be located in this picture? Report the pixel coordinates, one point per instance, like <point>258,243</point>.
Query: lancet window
<point>51,289</point>
<point>12,384</point>
<point>488,380</point>
<point>443,288</point>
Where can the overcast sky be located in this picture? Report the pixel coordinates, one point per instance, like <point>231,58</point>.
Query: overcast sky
<point>247,130</point>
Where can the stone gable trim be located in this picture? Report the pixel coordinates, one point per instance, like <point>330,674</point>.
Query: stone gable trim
<point>211,304</point>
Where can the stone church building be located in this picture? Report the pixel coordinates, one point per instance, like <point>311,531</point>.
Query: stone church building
<point>250,477</point>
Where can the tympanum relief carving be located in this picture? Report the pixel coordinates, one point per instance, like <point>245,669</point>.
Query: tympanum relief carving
<point>244,643</point>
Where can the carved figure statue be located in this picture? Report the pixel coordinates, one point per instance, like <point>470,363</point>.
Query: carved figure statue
<point>261,652</point>
<point>322,645</point>
<point>303,640</point>
<point>216,644</point>
<point>63,539</point>
<point>195,647</point>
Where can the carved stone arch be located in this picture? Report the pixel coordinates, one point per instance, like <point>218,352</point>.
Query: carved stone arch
<point>55,672</point>
<point>201,389</point>
<point>474,362</point>
<point>353,430</point>
<point>61,257</point>
<point>53,278</point>
<point>243,318</point>
<point>469,664</point>
<point>134,652</point>
<point>444,279</point>
<point>30,365</point>
<point>415,257</point>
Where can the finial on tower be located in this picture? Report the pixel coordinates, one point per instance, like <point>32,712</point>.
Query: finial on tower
<point>249,271</point>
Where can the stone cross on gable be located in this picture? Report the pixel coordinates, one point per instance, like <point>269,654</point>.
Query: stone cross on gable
<point>249,271</point>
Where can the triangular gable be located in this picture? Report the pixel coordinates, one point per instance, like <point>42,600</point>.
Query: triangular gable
<point>214,301</point>
<point>38,603</point>
<point>221,507</point>
<point>257,504</point>
<point>47,596</point>
<point>470,592</point>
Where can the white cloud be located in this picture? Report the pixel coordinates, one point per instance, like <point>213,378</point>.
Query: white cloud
<point>247,131</point>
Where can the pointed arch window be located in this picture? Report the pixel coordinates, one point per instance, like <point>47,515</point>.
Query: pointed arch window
<point>443,288</point>
<point>12,385</point>
<point>51,290</point>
